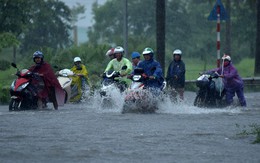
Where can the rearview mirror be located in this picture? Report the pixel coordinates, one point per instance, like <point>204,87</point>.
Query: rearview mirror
<point>124,67</point>
<point>14,65</point>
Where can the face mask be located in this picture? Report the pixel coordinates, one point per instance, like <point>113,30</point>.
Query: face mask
<point>78,67</point>
<point>226,63</point>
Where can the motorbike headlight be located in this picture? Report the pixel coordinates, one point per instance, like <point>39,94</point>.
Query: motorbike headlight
<point>12,85</point>
<point>20,88</point>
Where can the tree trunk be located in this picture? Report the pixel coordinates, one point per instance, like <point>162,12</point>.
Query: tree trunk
<point>228,29</point>
<point>160,32</point>
<point>257,52</point>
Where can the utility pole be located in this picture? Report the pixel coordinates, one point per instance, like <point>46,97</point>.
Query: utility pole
<point>125,27</point>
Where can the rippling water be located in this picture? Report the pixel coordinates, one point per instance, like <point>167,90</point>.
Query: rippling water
<point>87,132</point>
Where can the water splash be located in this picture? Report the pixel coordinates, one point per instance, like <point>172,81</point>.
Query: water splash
<point>186,107</point>
<point>112,102</point>
<point>165,105</point>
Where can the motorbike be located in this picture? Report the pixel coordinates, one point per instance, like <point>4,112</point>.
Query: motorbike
<point>138,98</point>
<point>112,83</point>
<point>211,91</point>
<point>64,78</point>
<point>73,92</point>
<point>24,90</point>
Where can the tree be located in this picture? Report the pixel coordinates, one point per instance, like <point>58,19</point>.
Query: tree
<point>160,31</point>
<point>39,24</point>
<point>48,27</point>
<point>257,52</point>
<point>109,22</point>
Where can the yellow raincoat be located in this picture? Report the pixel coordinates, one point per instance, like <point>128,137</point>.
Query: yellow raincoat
<point>77,81</point>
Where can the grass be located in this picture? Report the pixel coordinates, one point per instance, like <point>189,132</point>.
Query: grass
<point>194,66</point>
<point>246,67</point>
<point>254,130</point>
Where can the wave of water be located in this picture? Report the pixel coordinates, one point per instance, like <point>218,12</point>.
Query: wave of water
<point>165,106</point>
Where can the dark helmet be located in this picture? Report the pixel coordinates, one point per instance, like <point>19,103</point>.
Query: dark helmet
<point>38,54</point>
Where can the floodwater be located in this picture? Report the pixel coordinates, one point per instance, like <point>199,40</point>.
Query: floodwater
<point>87,132</point>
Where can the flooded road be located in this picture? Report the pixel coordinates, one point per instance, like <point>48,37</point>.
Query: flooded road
<point>88,133</point>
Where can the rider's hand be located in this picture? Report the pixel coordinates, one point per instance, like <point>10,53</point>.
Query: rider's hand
<point>123,74</point>
<point>144,75</point>
<point>175,77</point>
<point>152,77</point>
<point>221,76</point>
<point>130,76</point>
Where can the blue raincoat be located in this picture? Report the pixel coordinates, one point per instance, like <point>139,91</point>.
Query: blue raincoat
<point>152,68</point>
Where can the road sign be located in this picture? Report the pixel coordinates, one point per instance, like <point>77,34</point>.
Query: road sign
<point>214,13</point>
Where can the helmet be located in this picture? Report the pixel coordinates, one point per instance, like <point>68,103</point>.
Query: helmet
<point>135,55</point>
<point>226,57</point>
<point>110,52</point>
<point>177,51</point>
<point>118,49</point>
<point>38,54</point>
<point>77,59</point>
<point>148,51</point>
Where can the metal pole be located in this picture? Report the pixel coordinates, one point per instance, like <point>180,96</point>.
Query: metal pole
<point>125,28</point>
<point>75,33</point>
<point>218,36</point>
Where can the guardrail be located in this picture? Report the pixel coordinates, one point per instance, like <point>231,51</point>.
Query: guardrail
<point>251,81</point>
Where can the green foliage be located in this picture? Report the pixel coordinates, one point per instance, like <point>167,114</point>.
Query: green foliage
<point>254,130</point>
<point>50,27</point>
<point>4,65</point>
<point>75,12</point>
<point>92,56</point>
<point>4,94</point>
<point>39,24</point>
<point>7,40</point>
<point>246,67</point>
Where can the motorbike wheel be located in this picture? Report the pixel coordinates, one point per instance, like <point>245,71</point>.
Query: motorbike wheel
<point>14,105</point>
<point>106,103</point>
<point>200,101</point>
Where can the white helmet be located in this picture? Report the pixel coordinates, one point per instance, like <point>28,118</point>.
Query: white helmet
<point>177,51</point>
<point>77,59</point>
<point>226,57</point>
<point>118,49</point>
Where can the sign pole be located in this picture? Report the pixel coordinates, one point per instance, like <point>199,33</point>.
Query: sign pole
<point>218,13</point>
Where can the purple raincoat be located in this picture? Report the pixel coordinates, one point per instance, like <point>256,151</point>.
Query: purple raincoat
<point>233,83</point>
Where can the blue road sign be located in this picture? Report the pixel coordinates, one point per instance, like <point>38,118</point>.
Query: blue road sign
<point>213,13</point>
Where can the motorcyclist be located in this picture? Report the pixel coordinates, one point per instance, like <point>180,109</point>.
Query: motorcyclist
<point>135,59</point>
<point>110,53</point>
<point>52,88</point>
<point>79,80</point>
<point>176,74</point>
<point>232,81</point>
<point>152,69</point>
<point>118,63</point>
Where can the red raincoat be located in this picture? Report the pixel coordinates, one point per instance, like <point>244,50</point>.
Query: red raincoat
<point>50,81</point>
